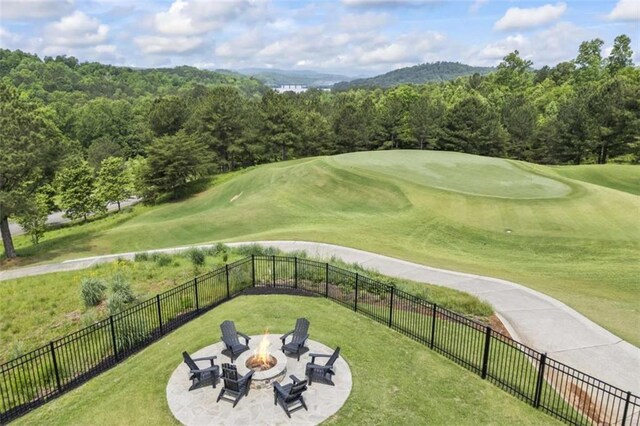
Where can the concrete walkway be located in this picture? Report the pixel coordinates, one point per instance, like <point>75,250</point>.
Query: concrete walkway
<point>531,317</point>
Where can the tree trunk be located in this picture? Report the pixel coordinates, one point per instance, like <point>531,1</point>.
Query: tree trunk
<point>118,205</point>
<point>9,250</point>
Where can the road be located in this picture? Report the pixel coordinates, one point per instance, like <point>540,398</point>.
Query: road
<point>531,317</point>
<point>57,217</point>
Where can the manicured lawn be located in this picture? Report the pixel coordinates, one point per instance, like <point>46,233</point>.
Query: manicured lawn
<point>396,380</point>
<point>623,177</point>
<point>575,241</point>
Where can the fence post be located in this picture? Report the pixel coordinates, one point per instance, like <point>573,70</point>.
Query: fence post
<point>113,337</point>
<point>295,272</point>
<point>253,269</point>
<point>159,313</point>
<point>540,381</point>
<point>226,268</point>
<point>326,279</point>
<point>433,325</point>
<point>393,290</point>
<point>485,357</point>
<point>626,408</point>
<point>273,275</point>
<point>355,300</point>
<point>55,366</point>
<point>195,286</point>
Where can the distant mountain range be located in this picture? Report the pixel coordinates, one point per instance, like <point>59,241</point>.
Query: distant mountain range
<point>418,74</point>
<point>276,77</point>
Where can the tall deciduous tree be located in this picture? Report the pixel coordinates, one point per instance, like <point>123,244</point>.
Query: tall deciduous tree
<point>621,55</point>
<point>76,186</point>
<point>114,183</point>
<point>30,146</point>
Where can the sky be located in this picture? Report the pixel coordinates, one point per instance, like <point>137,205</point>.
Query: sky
<point>352,37</point>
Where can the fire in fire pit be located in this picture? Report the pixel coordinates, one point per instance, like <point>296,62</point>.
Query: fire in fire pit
<point>261,359</point>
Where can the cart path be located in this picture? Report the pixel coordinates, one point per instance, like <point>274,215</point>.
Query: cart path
<point>531,317</point>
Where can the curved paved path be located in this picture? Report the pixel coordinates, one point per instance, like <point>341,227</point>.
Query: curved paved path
<point>532,318</point>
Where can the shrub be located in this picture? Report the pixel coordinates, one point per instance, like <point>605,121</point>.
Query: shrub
<point>92,291</point>
<point>161,259</point>
<point>141,257</point>
<point>196,256</point>
<point>129,334</point>
<point>17,349</point>
<point>120,285</point>
<point>117,303</point>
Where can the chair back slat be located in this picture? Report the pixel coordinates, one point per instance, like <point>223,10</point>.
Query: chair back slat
<point>300,331</point>
<point>333,357</point>
<point>229,333</point>
<point>189,361</point>
<point>230,377</point>
<point>296,391</point>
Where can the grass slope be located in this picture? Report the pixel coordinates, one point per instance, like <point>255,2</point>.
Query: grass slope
<point>623,177</point>
<point>383,393</point>
<point>61,310</point>
<point>572,240</point>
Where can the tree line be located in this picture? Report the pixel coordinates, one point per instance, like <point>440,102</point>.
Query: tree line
<point>76,136</point>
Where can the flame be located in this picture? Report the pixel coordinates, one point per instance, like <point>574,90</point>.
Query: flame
<point>261,354</point>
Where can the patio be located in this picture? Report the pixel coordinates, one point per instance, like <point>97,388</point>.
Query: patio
<point>199,407</point>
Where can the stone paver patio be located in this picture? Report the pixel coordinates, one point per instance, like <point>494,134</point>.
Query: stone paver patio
<point>199,407</point>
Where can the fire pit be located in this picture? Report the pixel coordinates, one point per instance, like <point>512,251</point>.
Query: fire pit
<point>267,361</point>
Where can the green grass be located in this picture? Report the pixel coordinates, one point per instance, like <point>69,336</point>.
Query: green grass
<point>423,388</point>
<point>61,310</point>
<point>572,240</point>
<point>622,177</point>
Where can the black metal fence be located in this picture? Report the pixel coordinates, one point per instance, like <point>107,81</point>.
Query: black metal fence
<point>555,388</point>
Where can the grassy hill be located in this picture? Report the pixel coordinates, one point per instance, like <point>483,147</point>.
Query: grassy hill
<point>573,240</point>
<point>418,74</point>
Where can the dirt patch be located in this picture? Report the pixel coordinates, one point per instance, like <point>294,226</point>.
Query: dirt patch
<point>497,325</point>
<point>235,197</point>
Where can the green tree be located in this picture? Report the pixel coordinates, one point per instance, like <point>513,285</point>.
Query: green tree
<point>474,127</point>
<point>76,186</point>
<point>621,55</point>
<point>167,115</point>
<point>114,182</point>
<point>514,72</point>
<point>426,120</point>
<point>33,217</point>
<point>219,122</point>
<point>30,149</point>
<point>173,162</point>
<point>589,60</point>
<point>519,118</point>
<point>280,128</point>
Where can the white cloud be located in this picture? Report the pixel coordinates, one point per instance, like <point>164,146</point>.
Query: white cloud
<point>625,10</point>
<point>35,9</point>
<point>8,39</point>
<point>364,21</point>
<point>76,29</point>
<point>476,5</point>
<point>500,49</point>
<point>520,18</point>
<point>546,47</point>
<point>195,17</point>
<point>165,45</point>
